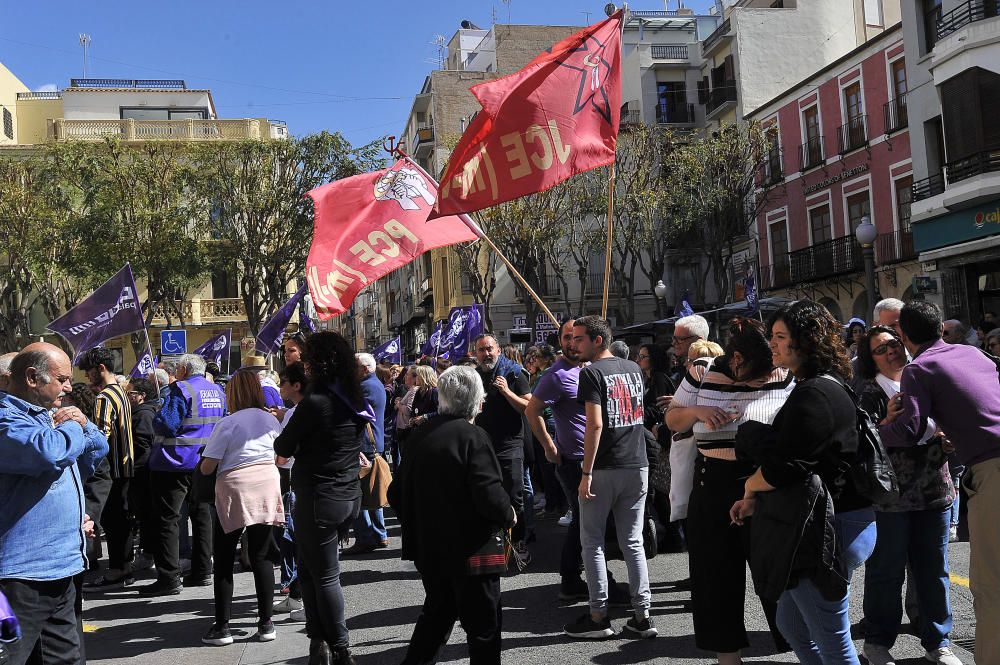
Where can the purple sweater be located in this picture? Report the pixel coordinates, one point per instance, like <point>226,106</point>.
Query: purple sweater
<point>957,386</point>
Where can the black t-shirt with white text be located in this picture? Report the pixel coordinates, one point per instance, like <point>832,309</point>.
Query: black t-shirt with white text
<point>616,385</point>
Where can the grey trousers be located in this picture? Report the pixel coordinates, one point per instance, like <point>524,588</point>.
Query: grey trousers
<point>621,492</point>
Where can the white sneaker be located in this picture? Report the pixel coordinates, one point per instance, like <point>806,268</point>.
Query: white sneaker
<point>943,656</point>
<point>953,534</point>
<point>878,654</point>
<point>287,605</point>
<point>297,615</point>
<point>566,519</point>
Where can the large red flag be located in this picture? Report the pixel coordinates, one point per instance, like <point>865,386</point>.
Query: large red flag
<point>369,225</point>
<point>553,119</point>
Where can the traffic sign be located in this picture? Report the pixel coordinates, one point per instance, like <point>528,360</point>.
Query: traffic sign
<point>173,342</point>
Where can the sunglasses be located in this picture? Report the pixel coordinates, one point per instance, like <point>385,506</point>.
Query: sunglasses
<point>882,349</point>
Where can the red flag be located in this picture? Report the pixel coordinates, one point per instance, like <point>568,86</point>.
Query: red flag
<point>369,225</point>
<point>553,119</point>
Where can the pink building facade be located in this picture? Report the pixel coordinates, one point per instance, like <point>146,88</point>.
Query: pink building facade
<point>840,151</point>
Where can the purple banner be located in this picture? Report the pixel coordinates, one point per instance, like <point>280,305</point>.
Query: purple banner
<point>273,332</point>
<point>464,325</point>
<point>216,348</point>
<point>432,345</point>
<point>391,352</point>
<point>143,368</point>
<point>112,310</point>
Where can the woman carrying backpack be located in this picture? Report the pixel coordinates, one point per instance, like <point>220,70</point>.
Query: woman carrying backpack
<point>811,528</point>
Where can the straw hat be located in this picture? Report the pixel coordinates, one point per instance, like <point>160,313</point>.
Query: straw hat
<point>254,362</point>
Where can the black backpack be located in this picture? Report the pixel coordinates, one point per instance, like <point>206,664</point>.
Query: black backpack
<point>871,470</point>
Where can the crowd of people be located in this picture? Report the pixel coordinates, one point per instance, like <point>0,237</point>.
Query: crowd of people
<point>741,452</point>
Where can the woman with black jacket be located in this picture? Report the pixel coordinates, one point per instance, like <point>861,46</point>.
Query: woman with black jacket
<point>807,556</point>
<point>450,477</point>
<point>324,435</point>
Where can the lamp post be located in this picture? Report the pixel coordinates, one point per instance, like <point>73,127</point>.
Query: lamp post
<point>866,234</point>
<point>661,293</point>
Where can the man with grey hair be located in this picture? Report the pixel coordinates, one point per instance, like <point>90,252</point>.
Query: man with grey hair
<point>956,332</point>
<point>47,453</point>
<point>687,331</point>
<point>183,425</point>
<point>369,527</point>
<point>167,364</point>
<point>887,313</point>
<point>5,361</point>
<point>619,349</point>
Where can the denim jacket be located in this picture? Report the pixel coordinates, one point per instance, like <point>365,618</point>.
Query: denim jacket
<point>42,469</point>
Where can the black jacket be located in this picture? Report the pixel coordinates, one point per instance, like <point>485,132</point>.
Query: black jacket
<point>448,494</point>
<point>142,430</point>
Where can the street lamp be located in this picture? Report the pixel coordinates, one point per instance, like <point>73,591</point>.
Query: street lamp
<point>661,293</point>
<point>866,234</point>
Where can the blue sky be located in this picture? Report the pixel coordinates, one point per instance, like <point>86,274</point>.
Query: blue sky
<point>342,66</point>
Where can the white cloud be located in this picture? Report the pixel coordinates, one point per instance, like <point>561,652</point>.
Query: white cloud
<point>48,87</point>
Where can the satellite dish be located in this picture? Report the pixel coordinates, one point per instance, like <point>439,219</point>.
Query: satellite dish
<point>610,9</point>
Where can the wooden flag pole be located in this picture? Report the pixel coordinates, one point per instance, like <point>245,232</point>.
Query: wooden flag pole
<point>513,271</point>
<point>607,250</point>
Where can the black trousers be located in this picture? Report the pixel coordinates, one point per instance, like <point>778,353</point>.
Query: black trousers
<point>472,599</point>
<point>319,521</point>
<point>95,494</point>
<point>141,506</point>
<point>169,491</point>
<point>47,613</point>
<point>116,520</point>
<point>718,553</point>
<point>512,474</point>
<point>258,546</point>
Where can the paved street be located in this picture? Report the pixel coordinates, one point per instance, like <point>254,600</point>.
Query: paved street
<point>384,597</point>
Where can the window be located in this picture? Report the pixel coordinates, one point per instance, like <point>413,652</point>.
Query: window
<point>779,243</point>
<point>812,153</point>
<point>772,165</point>
<point>932,14</point>
<point>819,223</point>
<point>904,196</point>
<point>898,68</point>
<point>148,113</point>
<point>852,101</point>
<point>852,134</point>
<point>671,102</point>
<point>858,206</point>
<point>8,124</point>
<point>778,4</point>
<point>873,13</point>
<point>224,285</point>
<point>969,132</point>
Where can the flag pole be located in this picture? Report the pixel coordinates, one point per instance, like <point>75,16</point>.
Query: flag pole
<point>149,350</point>
<point>607,250</point>
<point>520,278</point>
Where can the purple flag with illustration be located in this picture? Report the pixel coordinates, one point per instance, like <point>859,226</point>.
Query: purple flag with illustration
<point>112,310</point>
<point>683,308</point>
<point>750,290</point>
<point>216,348</point>
<point>144,367</point>
<point>306,324</point>
<point>273,332</point>
<point>433,343</point>
<point>391,352</point>
<point>464,325</point>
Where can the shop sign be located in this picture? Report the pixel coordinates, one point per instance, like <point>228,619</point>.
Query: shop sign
<point>843,175</point>
<point>925,284</point>
<point>978,222</point>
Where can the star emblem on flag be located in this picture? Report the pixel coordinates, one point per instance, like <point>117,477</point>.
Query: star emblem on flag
<point>595,70</point>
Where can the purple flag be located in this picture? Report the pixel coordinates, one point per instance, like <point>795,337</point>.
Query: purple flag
<point>683,308</point>
<point>433,343</point>
<point>305,321</point>
<point>144,367</point>
<point>271,333</point>
<point>216,348</point>
<point>464,325</point>
<point>112,310</point>
<point>391,351</point>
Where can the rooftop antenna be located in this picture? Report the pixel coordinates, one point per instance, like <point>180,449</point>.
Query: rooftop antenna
<point>587,14</point>
<point>440,42</point>
<point>85,43</point>
<point>507,2</point>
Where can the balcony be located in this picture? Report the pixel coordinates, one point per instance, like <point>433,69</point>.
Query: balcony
<point>853,134</point>
<point>966,13</point>
<point>549,285</point>
<point>660,52</point>
<point>595,284</point>
<point>716,37</point>
<point>928,187</point>
<point>48,94</point>
<point>654,13</point>
<point>139,84</point>
<point>772,170</point>
<point>720,96</point>
<point>987,161</point>
<point>129,129</point>
<point>775,276</point>
<point>894,247</point>
<point>826,259</point>
<point>196,312</point>
<point>631,118</point>
<point>423,143</point>
<point>894,114</point>
<point>682,114</point>
<point>811,154</point>
<point>216,310</point>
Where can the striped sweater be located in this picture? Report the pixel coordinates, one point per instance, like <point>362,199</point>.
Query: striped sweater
<point>113,416</point>
<point>708,382</point>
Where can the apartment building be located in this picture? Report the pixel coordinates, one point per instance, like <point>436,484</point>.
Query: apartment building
<point>138,111</point>
<point>839,152</point>
<point>953,65</point>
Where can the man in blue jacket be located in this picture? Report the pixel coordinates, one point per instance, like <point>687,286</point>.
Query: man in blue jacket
<point>47,453</point>
<point>369,528</point>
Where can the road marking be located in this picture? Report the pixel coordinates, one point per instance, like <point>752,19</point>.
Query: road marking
<point>959,580</point>
<point>90,628</point>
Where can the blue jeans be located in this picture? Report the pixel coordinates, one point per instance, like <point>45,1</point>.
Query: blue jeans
<point>921,536</point>
<point>529,504</point>
<point>369,527</point>
<point>818,629</point>
<point>956,480</point>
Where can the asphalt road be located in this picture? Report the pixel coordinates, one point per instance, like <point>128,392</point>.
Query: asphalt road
<point>384,596</point>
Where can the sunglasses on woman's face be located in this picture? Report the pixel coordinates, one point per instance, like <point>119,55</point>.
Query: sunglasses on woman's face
<point>881,349</point>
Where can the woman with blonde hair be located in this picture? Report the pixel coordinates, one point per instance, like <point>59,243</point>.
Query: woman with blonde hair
<point>425,401</point>
<point>247,497</point>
